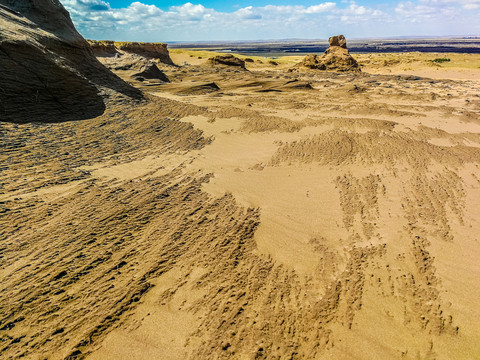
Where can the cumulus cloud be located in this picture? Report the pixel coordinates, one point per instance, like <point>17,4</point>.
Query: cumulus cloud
<point>465,4</point>
<point>191,12</point>
<point>142,22</point>
<point>87,5</point>
<point>248,13</point>
<point>320,8</point>
<point>439,17</point>
<point>439,10</point>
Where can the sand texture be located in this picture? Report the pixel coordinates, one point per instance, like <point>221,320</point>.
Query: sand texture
<point>253,213</point>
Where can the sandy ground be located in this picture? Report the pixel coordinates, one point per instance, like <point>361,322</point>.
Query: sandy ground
<point>288,215</point>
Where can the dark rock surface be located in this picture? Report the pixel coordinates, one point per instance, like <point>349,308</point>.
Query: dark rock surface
<point>104,48</point>
<point>151,72</point>
<point>228,60</point>
<point>49,73</point>
<point>200,89</point>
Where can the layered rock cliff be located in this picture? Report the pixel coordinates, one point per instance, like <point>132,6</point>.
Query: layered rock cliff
<point>106,48</point>
<point>103,48</point>
<point>148,50</point>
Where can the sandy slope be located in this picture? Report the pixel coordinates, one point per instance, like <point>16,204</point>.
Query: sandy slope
<point>336,222</point>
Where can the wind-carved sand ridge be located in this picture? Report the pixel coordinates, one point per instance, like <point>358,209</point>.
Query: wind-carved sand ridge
<point>279,214</point>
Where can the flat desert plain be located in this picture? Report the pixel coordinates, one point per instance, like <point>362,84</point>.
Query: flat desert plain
<point>251,214</point>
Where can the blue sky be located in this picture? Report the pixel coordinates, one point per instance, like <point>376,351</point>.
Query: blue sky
<point>207,20</point>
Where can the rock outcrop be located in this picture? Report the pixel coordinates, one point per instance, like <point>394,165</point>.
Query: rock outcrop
<point>150,72</point>
<point>338,40</point>
<point>49,72</point>
<point>227,60</point>
<point>335,58</point>
<point>148,50</point>
<point>103,48</point>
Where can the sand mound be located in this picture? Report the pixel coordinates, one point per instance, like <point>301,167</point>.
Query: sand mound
<point>228,60</point>
<point>336,57</point>
<point>200,89</point>
<point>151,72</point>
<point>296,84</point>
<point>48,70</point>
<point>340,147</point>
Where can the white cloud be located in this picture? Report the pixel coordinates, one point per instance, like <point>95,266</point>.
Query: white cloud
<point>357,10</point>
<point>320,8</point>
<point>87,5</point>
<point>190,12</point>
<point>431,10</point>
<point>248,13</point>
<point>282,9</point>
<point>437,8</point>
<point>465,4</point>
<point>410,9</point>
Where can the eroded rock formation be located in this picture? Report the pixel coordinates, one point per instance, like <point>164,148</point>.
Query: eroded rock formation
<point>228,60</point>
<point>49,72</point>
<point>150,72</point>
<point>337,40</point>
<point>335,58</point>
<point>148,50</point>
<point>103,48</point>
